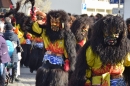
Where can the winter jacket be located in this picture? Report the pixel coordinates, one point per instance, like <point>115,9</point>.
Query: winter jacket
<point>10,35</point>
<point>4,56</point>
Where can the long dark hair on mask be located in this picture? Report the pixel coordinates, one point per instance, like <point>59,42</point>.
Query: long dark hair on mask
<point>78,26</point>
<point>56,35</point>
<point>110,54</point>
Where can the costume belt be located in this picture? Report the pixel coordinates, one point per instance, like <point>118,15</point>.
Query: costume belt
<point>56,59</point>
<point>28,41</point>
<point>39,45</point>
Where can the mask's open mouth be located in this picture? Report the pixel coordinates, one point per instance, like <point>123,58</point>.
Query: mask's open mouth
<point>110,40</point>
<point>54,28</point>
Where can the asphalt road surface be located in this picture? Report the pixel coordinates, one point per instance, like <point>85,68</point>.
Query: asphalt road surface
<point>26,78</point>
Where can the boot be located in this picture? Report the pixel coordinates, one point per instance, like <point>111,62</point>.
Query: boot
<point>17,80</point>
<point>13,75</point>
<point>14,78</point>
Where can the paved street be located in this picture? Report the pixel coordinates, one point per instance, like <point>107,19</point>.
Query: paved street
<point>27,78</point>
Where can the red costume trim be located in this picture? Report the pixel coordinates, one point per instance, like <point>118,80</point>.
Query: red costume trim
<point>55,48</point>
<point>81,43</point>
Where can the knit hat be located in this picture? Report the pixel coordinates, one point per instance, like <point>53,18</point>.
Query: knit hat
<point>8,26</point>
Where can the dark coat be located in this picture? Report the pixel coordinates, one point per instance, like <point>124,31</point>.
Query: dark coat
<point>10,35</point>
<point>3,50</point>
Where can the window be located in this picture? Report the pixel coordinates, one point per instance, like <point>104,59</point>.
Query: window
<point>90,10</point>
<point>99,10</point>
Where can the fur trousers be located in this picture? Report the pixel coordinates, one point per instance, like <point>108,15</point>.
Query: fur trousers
<point>25,55</point>
<point>51,75</point>
<point>36,57</point>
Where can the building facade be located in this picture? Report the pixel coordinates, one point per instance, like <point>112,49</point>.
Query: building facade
<point>91,6</point>
<point>100,6</point>
<point>126,9</point>
<point>4,5</point>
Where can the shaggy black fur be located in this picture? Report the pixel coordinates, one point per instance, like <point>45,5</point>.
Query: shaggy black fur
<point>77,27</point>
<point>98,17</point>
<point>25,55</point>
<point>51,77</point>
<point>127,23</point>
<point>36,57</point>
<point>78,77</point>
<point>108,54</point>
<point>127,75</point>
<point>70,44</point>
<point>127,69</point>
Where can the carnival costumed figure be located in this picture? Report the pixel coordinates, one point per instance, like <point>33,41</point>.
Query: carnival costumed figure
<point>128,27</point>
<point>59,47</point>
<point>71,19</point>
<point>127,69</point>
<point>103,58</point>
<point>80,28</point>
<point>24,36</point>
<point>98,17</point>
<point>36,52</point>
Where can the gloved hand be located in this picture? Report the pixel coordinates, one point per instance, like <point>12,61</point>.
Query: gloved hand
<point>66,65</point>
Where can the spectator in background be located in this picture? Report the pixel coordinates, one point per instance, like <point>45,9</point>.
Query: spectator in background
<point>4,55</point>
<point>10,35</point>
<point>7,19</point>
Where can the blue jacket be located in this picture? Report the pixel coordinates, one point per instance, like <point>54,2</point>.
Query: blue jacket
<point>10,35</point>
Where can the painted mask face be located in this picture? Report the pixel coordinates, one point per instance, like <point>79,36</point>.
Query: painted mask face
<point>55,23</point>
<point>111,35</point>
<point>85,30</point>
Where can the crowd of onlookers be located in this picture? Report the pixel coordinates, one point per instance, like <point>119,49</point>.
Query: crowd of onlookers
<point>9,62</point>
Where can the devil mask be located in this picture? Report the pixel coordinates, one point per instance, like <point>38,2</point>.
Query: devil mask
<point>111,31</point>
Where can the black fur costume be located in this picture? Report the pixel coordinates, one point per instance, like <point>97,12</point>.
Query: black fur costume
<point>25,55</point>
<point>78,27</point>
<point>53,75</point>
<point>36,57</point>
<point>108,54</point>
<point>128,23</point>
<point>127,69</point>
